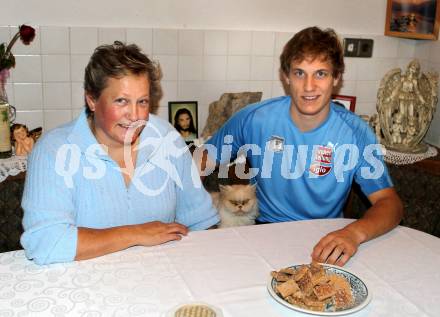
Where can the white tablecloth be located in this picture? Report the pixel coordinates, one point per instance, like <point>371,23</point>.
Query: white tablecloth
<point>228,268</point>
<point>12,166</point>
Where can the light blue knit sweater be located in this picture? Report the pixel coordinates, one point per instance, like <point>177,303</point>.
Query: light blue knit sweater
<point>71,182</point>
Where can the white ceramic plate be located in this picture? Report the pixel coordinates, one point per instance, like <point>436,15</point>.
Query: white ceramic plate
<point>361,293</point>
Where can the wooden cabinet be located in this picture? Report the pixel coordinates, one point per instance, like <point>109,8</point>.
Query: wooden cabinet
<point>11,212</point>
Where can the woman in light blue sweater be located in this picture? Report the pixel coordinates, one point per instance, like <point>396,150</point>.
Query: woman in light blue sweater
<point>115,177</point>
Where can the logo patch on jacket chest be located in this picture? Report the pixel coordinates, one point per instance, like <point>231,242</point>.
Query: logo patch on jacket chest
<point>321,163</point>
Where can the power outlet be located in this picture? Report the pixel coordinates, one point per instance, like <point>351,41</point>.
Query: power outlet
<point>354,47</point>
<point>366,48</point>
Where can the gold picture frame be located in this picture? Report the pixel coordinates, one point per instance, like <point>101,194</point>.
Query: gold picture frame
<point>187,110</point>
<point>413,19</point>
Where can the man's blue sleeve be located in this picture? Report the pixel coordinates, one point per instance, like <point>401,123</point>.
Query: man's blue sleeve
<point>372,173</point>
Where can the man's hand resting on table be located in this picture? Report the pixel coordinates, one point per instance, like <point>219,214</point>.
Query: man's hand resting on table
<point>337,247</point>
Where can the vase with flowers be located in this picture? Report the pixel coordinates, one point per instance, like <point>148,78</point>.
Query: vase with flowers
<point>7,61</point>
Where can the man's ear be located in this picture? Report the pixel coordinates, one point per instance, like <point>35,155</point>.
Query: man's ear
<point>90,102</point>
<point>285,77</point>
<point>336,80</point>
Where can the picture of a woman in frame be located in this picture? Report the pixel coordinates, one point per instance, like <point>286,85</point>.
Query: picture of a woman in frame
<point>184,124</point>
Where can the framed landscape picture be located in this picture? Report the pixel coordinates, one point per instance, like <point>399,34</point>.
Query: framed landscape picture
<point>414,19</point>
<point>183,116</point>
<point>349,102</point>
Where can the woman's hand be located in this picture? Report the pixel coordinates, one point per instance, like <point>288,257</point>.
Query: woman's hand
<point>156,232</point>
<point>97,242</point>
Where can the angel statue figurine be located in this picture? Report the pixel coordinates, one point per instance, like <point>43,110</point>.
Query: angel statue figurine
<point>406,104</point>
<point>22,141</point>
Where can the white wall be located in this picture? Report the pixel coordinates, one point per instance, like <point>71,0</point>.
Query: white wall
<point>347,16</point>
<point>205,48</point>
<point>46,84</point>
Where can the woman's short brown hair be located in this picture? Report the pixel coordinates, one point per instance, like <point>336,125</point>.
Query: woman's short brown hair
<point>118,60</point>
<point>315,43</point>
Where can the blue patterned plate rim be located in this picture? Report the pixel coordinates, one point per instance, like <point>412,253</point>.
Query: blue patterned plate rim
<point>362,299</point>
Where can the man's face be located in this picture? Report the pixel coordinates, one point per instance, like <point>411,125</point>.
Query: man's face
<point>184,121</point>
<point>310,83</point>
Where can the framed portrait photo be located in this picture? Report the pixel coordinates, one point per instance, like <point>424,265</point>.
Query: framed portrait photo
<point>413,19</point>
<point>183,116</point>
<point>349,102</point>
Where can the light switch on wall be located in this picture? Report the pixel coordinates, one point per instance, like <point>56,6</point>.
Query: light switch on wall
<point>351,47</point>
<point>354,47</point>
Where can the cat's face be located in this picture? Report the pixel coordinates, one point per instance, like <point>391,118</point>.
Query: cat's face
<point>238,199</point>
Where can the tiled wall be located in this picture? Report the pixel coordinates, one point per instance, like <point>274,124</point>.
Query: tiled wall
<point>46,85</point>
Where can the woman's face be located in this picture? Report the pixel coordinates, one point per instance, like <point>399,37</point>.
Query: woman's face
<point>124,101</point>
<point>184,121</point>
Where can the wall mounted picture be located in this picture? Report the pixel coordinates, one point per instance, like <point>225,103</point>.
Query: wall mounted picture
<point>414,19</point>
<point>349,102</point>
<point>183,116</point>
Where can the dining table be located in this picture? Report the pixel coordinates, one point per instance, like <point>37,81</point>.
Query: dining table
<point>227,268</point>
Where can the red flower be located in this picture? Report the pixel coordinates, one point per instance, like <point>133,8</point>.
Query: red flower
<point>27,34</point>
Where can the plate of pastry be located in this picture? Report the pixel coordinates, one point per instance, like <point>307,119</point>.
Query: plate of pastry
<point>319,289</point>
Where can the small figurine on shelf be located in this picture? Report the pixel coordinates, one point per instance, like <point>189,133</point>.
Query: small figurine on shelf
<point>36,133</point>
<point>23,143</point>
<point>375,125</point>
<point>397,128</point>
<point>411,130</point>
<point>411,94</point>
